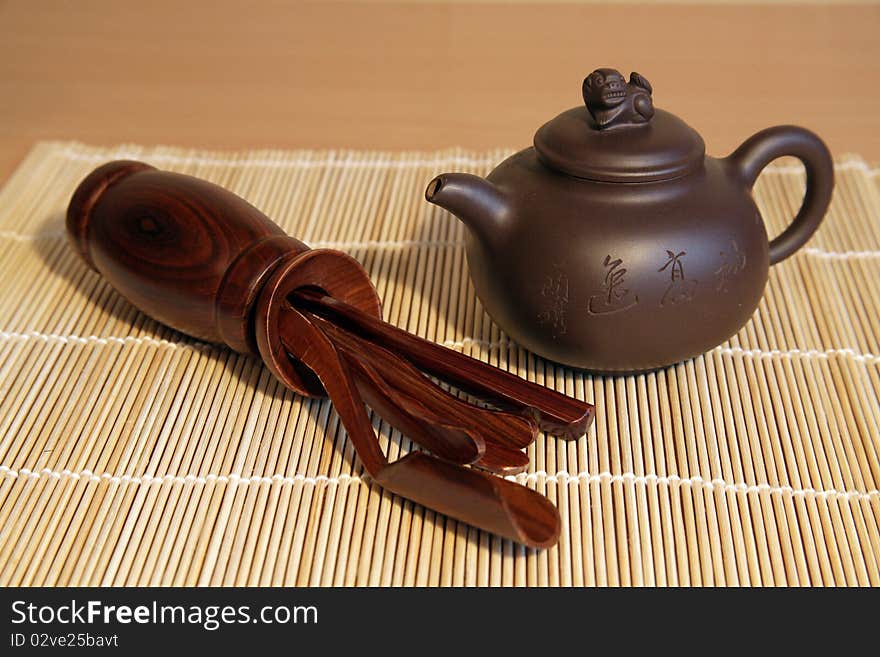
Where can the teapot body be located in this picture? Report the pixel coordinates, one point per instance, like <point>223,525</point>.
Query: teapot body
<point>615,244</point>
<point>621,277</point>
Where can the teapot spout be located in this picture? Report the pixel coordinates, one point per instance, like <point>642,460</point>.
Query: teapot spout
<point>479,204</point>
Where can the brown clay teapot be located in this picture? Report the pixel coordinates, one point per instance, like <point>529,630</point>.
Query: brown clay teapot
<point>615,244</point>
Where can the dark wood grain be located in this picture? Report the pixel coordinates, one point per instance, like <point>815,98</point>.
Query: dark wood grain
<point>492,503</point>
<point>497,505</point>
<point>556,413</point>
<point>331,271</point>
<point>450,442</point>
<point>195,256</point>
<point>209,264</point>
<point>501,434</point>
<point>188,253</point>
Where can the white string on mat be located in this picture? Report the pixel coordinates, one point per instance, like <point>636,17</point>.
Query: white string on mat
<point>385,244</point>
<point>331,159</point>
<point>561,477</point>
<point>150,480</point>
<point>112,339</point>
<point>839,255</point>
<point>486,344</point>
<point>866,357</point>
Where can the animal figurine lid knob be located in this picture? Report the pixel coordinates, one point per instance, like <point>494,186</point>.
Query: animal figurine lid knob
<point>618,135</point>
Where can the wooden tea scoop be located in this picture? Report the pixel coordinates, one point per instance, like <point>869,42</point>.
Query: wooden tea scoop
<point>503,434</point>
<point>497,505</point>
<point>207,263</point>
<point>494,455</point>
<point>556,413</point>
<point>477,449</point>
<point>449,442</point>
<point>495,425</point>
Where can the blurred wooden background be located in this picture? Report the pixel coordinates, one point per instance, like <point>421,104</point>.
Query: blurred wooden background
<point>421,75</point>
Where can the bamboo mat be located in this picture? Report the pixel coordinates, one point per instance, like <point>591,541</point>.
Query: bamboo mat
<point>131,454</point>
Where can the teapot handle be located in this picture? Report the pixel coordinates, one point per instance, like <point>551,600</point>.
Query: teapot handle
<point>760,149</point>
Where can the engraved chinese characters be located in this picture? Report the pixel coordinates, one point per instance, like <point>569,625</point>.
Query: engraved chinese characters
<point>615,295</point>
<point>733,261</point>
<point>555,291</point>
<point>680,289</point>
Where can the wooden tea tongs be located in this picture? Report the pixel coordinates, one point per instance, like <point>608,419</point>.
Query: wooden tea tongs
<point>205,262</point>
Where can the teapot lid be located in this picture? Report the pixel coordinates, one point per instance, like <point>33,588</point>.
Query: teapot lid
<point>618,136</point>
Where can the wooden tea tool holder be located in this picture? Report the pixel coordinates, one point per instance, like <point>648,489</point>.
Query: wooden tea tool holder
<point>202,260</point>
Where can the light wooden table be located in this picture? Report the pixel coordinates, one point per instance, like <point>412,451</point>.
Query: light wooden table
<point>218,73</point>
